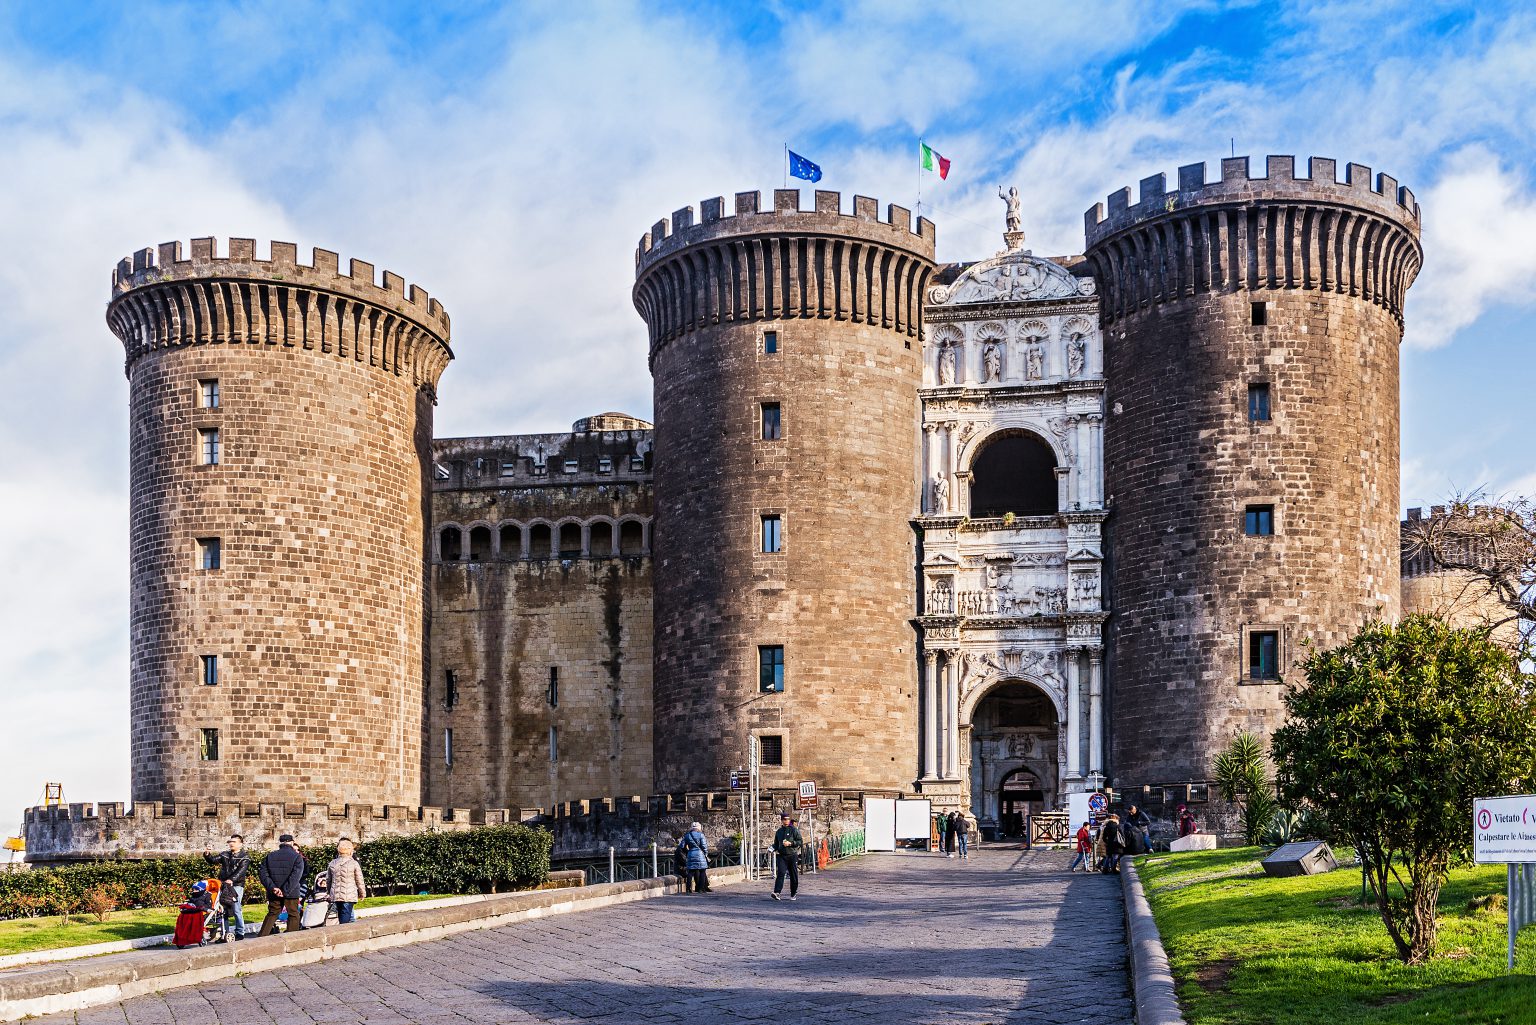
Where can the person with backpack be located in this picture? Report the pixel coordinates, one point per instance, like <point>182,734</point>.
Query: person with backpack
<point>695,850</point>
<point>1114,845</point>
<point>282,873</point>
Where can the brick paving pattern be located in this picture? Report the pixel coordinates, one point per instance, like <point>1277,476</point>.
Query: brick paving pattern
<point>1005,937</point>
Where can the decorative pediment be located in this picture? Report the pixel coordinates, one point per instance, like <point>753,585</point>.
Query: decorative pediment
<point>1085,554</point>
<point>1010,276</point>
<point>941,560</point>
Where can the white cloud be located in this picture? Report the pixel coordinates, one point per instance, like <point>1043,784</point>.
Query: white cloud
<point>1479,219</point>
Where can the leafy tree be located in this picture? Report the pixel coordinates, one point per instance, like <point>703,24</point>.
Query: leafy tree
<point>1391,738</point>
<point>1490,544</point>
<point>1242,774</point>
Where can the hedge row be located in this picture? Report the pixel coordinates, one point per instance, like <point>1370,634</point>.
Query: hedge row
<point>480,860</point>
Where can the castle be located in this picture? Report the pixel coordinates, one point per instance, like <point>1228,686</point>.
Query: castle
<point>992,532</point>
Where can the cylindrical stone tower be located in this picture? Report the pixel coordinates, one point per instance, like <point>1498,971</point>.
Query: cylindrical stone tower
<point>1251,332</point>
<point>786,352</point>
<point>281,423</point>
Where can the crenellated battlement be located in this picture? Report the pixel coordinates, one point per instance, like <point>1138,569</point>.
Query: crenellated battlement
<point>784,263</point>
<point>1237,184</point>
<point>167,263</point>
<point>825,217</point>
<point>162,300</point>
<point>1352,237</point>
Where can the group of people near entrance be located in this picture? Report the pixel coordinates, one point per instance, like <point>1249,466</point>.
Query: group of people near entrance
<point>282,875</point>
<point>1118,838</point>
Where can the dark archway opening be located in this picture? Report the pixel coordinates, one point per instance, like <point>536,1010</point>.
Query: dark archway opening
<point>1016,474</point>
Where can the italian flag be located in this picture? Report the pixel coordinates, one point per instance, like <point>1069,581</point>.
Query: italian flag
<point>931,158</point>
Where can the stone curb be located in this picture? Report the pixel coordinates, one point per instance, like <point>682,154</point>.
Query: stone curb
<point>76,985</point>
<point>1151,978</point>
<point>563,878</point>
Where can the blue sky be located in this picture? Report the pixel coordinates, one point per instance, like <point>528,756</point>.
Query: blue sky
<point>507,158</point>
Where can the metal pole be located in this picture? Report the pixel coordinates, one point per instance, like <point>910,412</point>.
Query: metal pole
<point>612,861</point>
<point>655,862</point>
<point>1514,916</point>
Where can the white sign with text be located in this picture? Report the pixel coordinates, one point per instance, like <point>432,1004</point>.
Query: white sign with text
<point>1504,830</point>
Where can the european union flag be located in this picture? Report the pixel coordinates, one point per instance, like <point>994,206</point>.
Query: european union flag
<point>803,168</point>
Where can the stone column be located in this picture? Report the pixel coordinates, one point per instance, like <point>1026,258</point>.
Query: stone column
<point>952,729</point>
<point>1083,451</point>
<point>930,714</point>
<point>930,465</point>
<point>1064,487</point>
<point>1095,710</point>
<point>1094,492</point>
<point>1074,717</point>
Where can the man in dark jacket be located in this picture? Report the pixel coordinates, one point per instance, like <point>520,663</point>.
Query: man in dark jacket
<point>786,855</point>
<point>282,873</point>
<point>1140,823</point>
<point>234,864</point>
<point>1114,845</point>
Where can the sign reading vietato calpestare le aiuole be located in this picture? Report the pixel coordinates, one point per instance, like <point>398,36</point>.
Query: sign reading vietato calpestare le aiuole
<point>1504,830</point>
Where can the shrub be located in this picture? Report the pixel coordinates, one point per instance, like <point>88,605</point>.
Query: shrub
<point>101,900</point>
<point>1391,738</point>
<point>1242,773</point>
<point>485,859</point>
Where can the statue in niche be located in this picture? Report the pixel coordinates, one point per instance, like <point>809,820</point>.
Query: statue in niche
<point>1034,359</point>
<point>940,599</point>
<point>940,493</point>
<point>947,365</point>
<point>1014,222</point>
<point>1077,355</point>
<point>999,578</point>
<point>991,363</point>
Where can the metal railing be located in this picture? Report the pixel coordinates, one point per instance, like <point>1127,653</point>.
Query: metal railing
<point>658,860</point>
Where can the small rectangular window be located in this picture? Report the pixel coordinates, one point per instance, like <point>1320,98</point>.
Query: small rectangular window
<point>1260,314</point>
<point>770,668</point>
<point>1258,402</point>
<point>208,440</point>
<point>1263,654</point>
<point>208,393</point>
<point>770,342</point>
<point>450,688</point>
<point>508,469</point>
<point>636,464</point>
<point>571,466</point>
<point>210,670</point>
<point>554,686</point>
<point>772,422</point>
<point>770,749</point>
<point>773,534</point>
<point>604,464</point>
<point>554,743</point>
<point>540,469</point>
<point>448,748</point>
<point>210,553</point>
<point>208,746</point>
<point>1259,520</point>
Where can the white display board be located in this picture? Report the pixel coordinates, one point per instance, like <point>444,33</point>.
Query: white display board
<point>1077,810</point>
<point>912,820</point>
<point>879,824</point>
<point>1504,830</point>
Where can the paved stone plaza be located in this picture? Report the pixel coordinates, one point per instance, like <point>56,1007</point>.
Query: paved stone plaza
<point>914,938</point>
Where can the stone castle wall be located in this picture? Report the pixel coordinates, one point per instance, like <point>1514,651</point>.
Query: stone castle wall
<point>843,296</point>
<point>315,612</point>
<point>1185,276</point>
<point>512,615</point>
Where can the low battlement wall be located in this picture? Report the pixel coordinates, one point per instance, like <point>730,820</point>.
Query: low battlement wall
<point>87,832</point>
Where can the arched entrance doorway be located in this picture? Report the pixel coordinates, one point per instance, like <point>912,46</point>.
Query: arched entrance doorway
<point>1014,756</point>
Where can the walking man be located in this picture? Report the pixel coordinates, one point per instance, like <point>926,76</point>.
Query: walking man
<point>786,853</point>
<point>234,864</point>
<point>962,834</point>
<point>282,873</point>
<point>1084,850</point>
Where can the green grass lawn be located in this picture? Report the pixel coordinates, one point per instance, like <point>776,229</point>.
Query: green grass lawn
<point>1250,950</point>
<point>27,934</point>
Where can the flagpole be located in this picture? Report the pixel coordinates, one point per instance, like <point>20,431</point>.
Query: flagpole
<point>919,174</point>
<point>786,165</point>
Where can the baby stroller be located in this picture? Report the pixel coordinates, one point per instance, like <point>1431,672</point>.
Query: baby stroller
<point>202,919</point>
<point>317,903</point>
